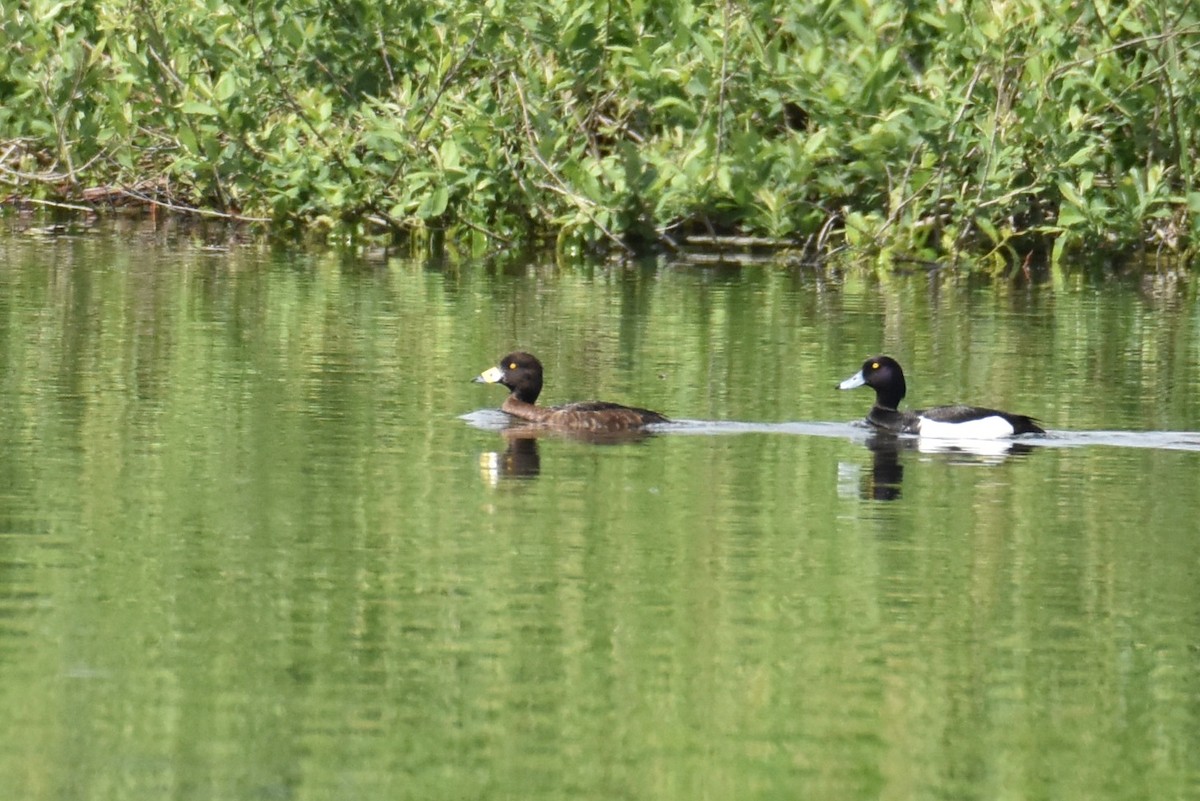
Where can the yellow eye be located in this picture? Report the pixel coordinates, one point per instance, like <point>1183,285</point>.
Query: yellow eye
<point>512,365</point>
<point>874,365</point>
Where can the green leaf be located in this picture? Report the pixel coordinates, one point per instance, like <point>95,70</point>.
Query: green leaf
<point>434,204</point>
<point>989,230</point>
<point>187,138</point>
<point>198,108</point>
<point>226,87</point>
<point>1068,192</point>
<point>1083,155</point>
<point>1070,216</point>
<point>448,153</point>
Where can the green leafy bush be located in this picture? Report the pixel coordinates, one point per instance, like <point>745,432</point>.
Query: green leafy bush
<point>919,130</point>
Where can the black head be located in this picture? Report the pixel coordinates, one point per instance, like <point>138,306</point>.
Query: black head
<point>883,374</point>
<point>520,372</point>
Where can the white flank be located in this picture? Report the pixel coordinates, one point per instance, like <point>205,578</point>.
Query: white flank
<point>984,428</point>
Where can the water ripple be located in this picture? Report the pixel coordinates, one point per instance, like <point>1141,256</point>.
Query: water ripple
<point>495,420</point>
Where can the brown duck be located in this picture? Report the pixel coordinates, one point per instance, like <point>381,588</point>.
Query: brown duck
<point>522,374</point>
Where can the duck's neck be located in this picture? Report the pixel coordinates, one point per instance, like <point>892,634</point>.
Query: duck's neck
<point>523,409</point>
<point>890,398</point>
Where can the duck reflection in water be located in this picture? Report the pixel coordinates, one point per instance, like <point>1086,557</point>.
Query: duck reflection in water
<point>883,483</point>
<point>887,473</point>
<point>521,459</point>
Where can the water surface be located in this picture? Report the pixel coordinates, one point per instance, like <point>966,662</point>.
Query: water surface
<point>260,537</point>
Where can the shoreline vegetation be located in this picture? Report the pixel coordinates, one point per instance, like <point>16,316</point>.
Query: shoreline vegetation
<point>1001,133</point>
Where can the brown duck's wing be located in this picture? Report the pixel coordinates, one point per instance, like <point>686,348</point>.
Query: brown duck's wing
<point>601,415</point>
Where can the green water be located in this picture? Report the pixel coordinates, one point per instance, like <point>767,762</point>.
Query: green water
<point>250,548</point>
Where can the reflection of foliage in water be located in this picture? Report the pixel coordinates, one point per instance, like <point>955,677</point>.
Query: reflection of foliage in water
<point>245,535</point>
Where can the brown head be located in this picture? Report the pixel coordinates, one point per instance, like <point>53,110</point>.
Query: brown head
<point>521,372</point>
